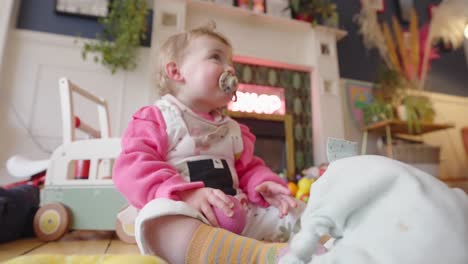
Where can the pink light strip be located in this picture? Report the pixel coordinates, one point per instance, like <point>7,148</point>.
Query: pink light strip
<point>273,64</point>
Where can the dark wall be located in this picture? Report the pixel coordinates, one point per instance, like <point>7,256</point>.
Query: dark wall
<point>449,74</point>
<point>41,16</point>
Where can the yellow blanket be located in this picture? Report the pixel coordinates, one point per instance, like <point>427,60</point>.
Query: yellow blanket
<point>86,259</point>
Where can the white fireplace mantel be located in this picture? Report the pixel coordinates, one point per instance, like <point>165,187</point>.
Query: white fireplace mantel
<point>276,39</point>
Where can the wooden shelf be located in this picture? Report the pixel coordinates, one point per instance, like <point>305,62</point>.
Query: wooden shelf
<point>241,13</point>
<point>401,127</point>
<point>392,127</point>
<point>461,183</point>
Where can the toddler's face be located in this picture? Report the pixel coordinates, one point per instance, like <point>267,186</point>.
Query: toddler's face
<point>205,60</point>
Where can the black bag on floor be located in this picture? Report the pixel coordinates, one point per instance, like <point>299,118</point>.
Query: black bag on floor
<point>17,208</point>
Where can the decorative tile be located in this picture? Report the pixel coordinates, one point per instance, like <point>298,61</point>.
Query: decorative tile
<point>298,132</point>
<point>296,80</point>
<point>298,105</point>
<point>272,77</point>
<point>285,79</point>
<point>247,74</point>
<point>261,76</point>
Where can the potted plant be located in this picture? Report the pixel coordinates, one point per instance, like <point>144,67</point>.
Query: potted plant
<point>377,111</point>
<point>393,89</point>
<point>414,110</point>
<point>124,29</point>
<point>315,11</point>
<point>389,86</point>
<point>399,83</point>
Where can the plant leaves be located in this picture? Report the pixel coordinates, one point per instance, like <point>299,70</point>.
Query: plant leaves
<point>121,37</point>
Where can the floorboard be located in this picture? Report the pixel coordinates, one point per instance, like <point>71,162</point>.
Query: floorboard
<point>18,247</point>
<point>118,247</point>
<point>75,243</point>
<point>91,247</point>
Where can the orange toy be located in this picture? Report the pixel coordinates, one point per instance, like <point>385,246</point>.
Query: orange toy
<point>293,188</point>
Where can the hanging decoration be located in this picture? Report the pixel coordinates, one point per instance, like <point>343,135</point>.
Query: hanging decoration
<point>401,50</point>
<point>448,22</point>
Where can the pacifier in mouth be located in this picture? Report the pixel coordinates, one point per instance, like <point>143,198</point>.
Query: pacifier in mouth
<point>228,82</point>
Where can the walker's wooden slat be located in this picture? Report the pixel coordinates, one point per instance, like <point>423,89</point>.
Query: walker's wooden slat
<point>18,247</point>
<point>118,247</point>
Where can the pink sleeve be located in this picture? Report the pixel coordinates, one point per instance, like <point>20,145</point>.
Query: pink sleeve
<point>141,172</point>
<point>252,170</point>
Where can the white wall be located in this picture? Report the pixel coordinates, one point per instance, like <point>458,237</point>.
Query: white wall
<point>7,16</point>
<point>30,105</point>
<point>450,109</point>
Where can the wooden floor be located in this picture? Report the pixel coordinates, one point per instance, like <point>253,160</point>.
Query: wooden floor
<point>75,243</point>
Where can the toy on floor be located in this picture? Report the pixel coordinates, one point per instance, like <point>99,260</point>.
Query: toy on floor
<point>17,208</point>
<point>303,190</point>
<point>89,201</point>
<point>381,210</point>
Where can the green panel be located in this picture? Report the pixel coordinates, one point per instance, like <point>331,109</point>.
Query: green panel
<point>92,208</point>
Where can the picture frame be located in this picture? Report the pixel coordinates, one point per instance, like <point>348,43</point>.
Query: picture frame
<point>86,8</point>
<point>377,5</point>
<point>358,94</point>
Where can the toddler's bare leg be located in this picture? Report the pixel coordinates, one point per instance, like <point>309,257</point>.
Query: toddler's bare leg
<point>169,236</point>
<point>182,239</point>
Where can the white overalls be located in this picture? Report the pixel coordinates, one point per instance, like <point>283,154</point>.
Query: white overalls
<point>196,144</point>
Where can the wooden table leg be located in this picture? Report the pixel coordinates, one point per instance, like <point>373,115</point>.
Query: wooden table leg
<point>364,143</point>
<point>389,142</point>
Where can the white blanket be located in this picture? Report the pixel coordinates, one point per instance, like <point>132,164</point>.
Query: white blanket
<point>382,212</point>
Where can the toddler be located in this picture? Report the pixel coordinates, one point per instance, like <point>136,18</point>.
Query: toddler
<point>190,169</point>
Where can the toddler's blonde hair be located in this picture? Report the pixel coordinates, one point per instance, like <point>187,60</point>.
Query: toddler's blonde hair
<point>174,49</point>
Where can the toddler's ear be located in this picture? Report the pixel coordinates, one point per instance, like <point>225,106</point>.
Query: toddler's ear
<point>173,72</point>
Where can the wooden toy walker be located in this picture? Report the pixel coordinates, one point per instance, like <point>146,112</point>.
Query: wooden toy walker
<point>88,201</point>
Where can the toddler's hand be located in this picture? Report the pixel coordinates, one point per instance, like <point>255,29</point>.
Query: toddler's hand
<point>203,198</point>
<point>277,195</point>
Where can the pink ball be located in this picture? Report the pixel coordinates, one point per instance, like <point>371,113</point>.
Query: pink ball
<point>237,222</point>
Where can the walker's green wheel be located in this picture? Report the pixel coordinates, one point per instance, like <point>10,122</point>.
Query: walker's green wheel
<point>52,221</point>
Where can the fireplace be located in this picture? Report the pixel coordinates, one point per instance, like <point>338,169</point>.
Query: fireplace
<point>274,103</point>
<point>271,143</point>
<point>274,139</point>
<point>277,53</point>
